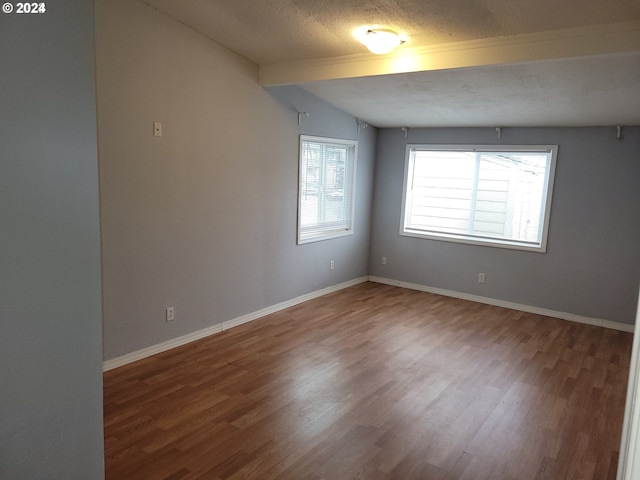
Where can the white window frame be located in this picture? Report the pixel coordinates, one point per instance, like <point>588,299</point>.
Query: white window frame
<point>343,227</point>
<point>540,247</point>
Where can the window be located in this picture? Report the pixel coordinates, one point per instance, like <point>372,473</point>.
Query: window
<point>326,188</point>
<point>490,195</point>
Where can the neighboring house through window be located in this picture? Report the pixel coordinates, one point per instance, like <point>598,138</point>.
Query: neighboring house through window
<point>497,195</point>
<point>326,188</point>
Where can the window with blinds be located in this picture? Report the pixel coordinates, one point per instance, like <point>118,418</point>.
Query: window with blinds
<point>326,188</point>
<point>489,195</point>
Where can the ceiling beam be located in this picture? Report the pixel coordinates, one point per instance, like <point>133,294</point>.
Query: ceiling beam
<point>605,39</point>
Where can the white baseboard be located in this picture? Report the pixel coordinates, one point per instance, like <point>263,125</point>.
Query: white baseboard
<point>160,347</point>
<point>191,337</point>
<point>290,303</point>
<point>502,303</point>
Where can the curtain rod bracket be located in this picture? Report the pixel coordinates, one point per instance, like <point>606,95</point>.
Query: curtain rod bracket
<point>406,131</point>
<point>499,130</point>
<point>300,115</point>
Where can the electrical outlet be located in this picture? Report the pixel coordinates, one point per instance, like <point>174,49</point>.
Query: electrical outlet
<point>481,278</point>
<point>170,314</point>
<point>332,265</point>
<point>384,260</point>
<point>157,129</point>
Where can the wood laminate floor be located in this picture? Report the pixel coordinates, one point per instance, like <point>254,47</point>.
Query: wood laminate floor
<point>375,382</point>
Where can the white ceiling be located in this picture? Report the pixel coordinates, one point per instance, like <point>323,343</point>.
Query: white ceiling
<point>466,62</point>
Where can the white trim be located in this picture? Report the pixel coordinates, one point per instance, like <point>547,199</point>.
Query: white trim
<point>629,461</point>
<point>159,348</point>
<point>539,246</point>
<point>572,317</point>
<point>344,228</point>
<point>606,39</point>
<point>290,303</point>
<point>192,337</point>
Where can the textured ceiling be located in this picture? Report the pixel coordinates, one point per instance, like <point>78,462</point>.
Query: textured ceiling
<point>594,89</point>
<point>274,31</point>
<point>576,92</point>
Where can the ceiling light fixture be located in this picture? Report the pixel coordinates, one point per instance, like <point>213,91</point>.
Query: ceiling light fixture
<point>381,40</point>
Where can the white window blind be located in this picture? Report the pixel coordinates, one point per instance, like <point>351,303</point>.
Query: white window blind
<point>497,195</point>
<point>326,188</point>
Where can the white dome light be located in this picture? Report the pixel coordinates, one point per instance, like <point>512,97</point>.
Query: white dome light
<point>381,40</point>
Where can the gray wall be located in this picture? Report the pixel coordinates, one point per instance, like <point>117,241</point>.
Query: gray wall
<point>50,326</point>
<point>204,218</point>
<point>592,264</point>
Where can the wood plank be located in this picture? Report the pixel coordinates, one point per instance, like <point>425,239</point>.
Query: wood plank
<point>375,382</point>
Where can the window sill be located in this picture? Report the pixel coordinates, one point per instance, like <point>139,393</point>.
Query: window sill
<point>496,243</point>
<point>323,236</point>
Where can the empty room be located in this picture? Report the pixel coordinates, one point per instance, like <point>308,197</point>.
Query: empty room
<point>254,240</point>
